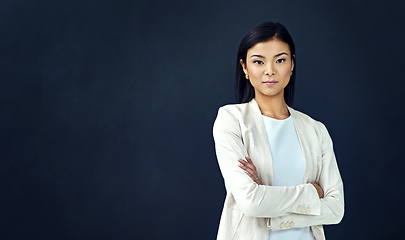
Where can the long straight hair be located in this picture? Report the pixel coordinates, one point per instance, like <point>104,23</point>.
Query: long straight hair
<point>262,33</point>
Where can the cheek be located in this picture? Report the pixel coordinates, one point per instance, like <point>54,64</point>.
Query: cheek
<point>256,73</point>
<point>287,71</point>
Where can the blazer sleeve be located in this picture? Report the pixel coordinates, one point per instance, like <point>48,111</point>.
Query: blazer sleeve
<point>332,204</point>
<point>253,199</point>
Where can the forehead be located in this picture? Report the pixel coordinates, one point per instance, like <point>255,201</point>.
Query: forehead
<point>271,47</point>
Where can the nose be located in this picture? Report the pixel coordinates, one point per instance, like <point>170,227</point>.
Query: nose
<point>269,70</point>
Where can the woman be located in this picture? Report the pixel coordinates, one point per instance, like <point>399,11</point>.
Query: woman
<point>278,164</point>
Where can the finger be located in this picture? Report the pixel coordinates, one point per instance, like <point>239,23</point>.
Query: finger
<point>253,174</point>
<point>242,166</point>
<point>246,162</point>
<point>247,165</point>
<point>250,172</point>
<point>250,166</point>
<point>250,162</point>
<point>250,169</point>
<point>242,161</point>
<point>254,178</point>
<point>250,175</point>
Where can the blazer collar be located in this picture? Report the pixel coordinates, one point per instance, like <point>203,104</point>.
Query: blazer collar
<point>253,105</point>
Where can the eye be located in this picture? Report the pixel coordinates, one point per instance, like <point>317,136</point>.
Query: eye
<point>281,60</point>
<point>258,62</point>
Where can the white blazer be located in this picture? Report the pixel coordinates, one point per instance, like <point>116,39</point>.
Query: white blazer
<point>250,210</point>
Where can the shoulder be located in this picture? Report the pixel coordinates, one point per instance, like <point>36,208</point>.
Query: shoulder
<point>233,109</point>
<point>298,115</point>
<point>230,114</point>
<point>306,122</point>
<point>240,110</point>
<point>233,116</point>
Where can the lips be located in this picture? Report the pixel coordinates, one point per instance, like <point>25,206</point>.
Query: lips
<point>270,82</point>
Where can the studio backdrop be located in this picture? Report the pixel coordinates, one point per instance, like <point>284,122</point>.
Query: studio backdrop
<point>108,106</point>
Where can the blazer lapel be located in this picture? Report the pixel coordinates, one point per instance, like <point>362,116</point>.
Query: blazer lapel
<point>299,128</point>
<point>264,161</point>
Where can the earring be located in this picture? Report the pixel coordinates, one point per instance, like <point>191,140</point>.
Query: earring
<point>291,73</point>
<point>247,76</point>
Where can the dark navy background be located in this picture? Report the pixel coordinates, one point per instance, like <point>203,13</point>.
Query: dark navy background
<point>107,110</point>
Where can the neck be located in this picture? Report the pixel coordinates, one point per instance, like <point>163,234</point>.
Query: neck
<point>274,107</point>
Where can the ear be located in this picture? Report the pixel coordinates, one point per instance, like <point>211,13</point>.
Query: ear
<point>243,66</point>
<point>292,62</point>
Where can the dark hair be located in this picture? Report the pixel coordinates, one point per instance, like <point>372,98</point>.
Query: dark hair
<point>262,33</point>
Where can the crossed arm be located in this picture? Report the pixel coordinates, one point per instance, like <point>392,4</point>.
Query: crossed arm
<point>250,169</point>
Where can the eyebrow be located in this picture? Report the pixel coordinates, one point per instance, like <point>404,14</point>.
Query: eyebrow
<point>277,55</point>
<point>260,56</point>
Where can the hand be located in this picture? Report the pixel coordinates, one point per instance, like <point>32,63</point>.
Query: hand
<point>318,189</point>
<point>250,169</point>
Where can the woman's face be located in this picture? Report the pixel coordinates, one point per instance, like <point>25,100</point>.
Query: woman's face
<point>269,66</point>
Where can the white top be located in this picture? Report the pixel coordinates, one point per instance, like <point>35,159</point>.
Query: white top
<point>288,167</point>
